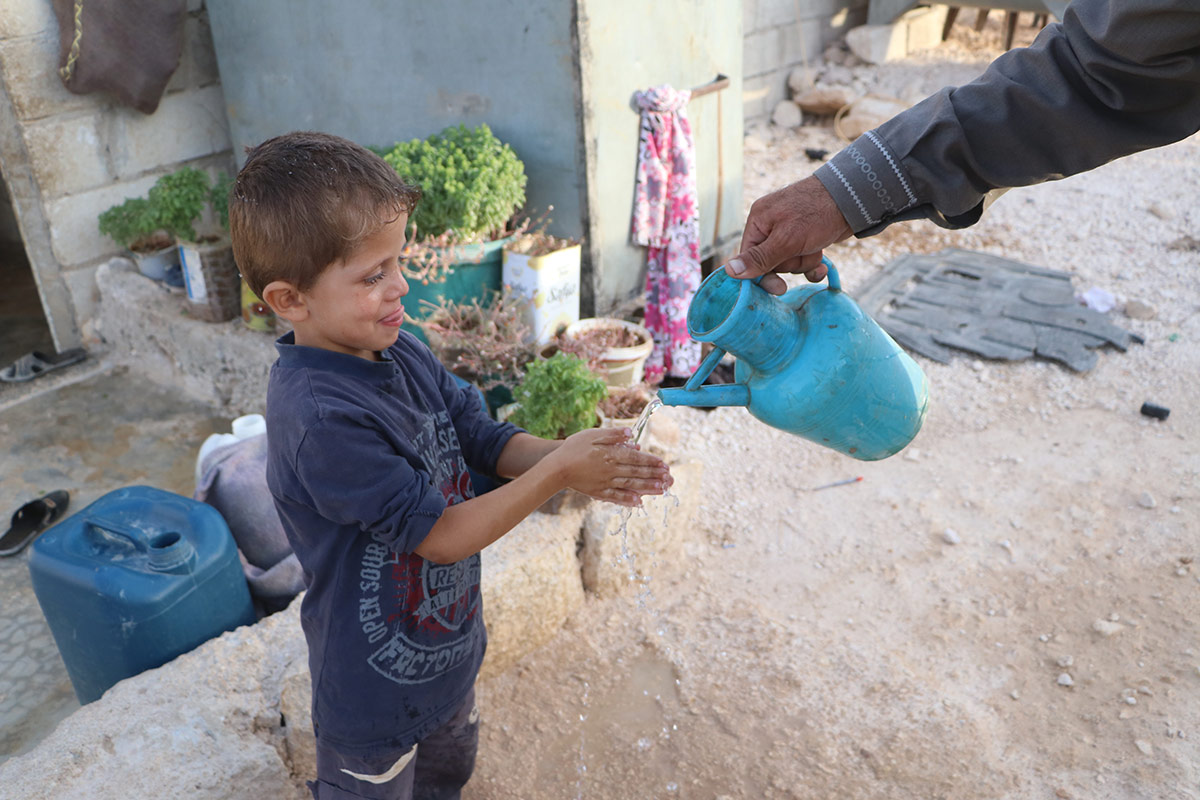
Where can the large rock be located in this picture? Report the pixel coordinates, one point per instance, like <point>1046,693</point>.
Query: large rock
<point>787,114</point>
<point>530,586</point>
<point>823,101</point>
<point>222,363</point>
<point>206,725</point>
<point>620,548</point>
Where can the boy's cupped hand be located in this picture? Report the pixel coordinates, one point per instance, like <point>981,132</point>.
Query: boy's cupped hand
<point>606,464</point>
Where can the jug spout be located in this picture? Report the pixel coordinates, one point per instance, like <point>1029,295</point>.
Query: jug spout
<point>726,394</point>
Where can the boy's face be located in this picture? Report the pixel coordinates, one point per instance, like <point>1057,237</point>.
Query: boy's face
<point>355,306</point>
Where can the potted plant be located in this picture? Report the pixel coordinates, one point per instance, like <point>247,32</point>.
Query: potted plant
<point>623,406</point>
<point>544,269</point>
<point>213,284</point>
<point>472,184</point>
<point>558,397</point>
<point>615,348</point>
<point>136,226</point>
<point>485,342</point>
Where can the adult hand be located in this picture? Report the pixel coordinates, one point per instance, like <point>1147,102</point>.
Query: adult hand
<point>786,232</point>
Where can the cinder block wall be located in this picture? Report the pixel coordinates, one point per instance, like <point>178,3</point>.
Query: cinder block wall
<point>781,34</point>
<point>66,157</point>
<point>85,153</point>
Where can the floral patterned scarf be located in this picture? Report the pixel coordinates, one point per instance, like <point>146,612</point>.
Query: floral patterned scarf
<point>666,220</point>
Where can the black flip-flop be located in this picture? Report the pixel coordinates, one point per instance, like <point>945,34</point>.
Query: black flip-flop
<point>31,519</point>
<point>31,365</point>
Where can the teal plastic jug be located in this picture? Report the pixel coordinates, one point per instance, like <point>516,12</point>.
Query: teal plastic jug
<point>811,363</point>
<point>135,579</point>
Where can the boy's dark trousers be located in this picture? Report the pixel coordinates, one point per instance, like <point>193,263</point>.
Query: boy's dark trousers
<point>436,768</point>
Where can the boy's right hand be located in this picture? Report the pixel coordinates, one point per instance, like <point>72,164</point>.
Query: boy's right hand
<point>604,463</point>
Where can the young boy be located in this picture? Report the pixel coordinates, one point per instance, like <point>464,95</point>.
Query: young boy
<point>369,439</point>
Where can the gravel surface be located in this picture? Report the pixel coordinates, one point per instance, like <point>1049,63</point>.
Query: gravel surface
<point>1008,609</point>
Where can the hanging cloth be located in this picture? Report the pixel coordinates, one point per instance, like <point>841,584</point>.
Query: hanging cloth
<point>666,221</point>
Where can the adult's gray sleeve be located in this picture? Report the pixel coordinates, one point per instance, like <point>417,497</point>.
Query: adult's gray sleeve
<point>1115,77</point>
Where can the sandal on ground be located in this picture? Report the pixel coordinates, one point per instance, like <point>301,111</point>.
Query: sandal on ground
<point>31,365</point>
<point>31,519</point>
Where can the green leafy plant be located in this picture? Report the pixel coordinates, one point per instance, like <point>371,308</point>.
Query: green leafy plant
<point>558,397</point>
<point>170,211</point>
<point>471,186</point>
<point>218,198</point>
<point>178,198</point>
<point>133,225</point>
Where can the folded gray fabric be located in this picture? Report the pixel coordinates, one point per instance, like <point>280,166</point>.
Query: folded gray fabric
<point>234,481</point>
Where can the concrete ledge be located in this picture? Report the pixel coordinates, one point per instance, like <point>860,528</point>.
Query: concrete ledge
<point>224,363</point>
<point>620,553</point>
<point>206,726</point>
<point>530,586</point>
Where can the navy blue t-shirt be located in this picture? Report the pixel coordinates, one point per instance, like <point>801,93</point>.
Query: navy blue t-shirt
<point>363,457</point>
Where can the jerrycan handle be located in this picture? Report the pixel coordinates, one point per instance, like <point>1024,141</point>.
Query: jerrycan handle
<point>716,354</point>
<point>166,551</point>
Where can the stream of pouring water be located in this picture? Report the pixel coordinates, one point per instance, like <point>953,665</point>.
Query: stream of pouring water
<point>644,598</point>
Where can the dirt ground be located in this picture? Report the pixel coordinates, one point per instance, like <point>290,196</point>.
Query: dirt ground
<point>837,644</point>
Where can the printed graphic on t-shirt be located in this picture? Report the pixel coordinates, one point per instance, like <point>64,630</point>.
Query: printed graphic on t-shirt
<point>414,610</point>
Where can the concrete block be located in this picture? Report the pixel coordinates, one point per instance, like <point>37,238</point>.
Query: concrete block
<point>877,44</point>
<point>804,43</point>
<point>924,27</point>
<point>198,60</point>
<point>224,364</point>
<point>617,561</point>
<point>755,98</point>
<point>67,153</point>
<point>81,286</point>
<point>763,52</point>
<point>187,125</point>
<point>26,18</point>
<point>295,714</point>
<point>74,235</point>
<point>205,726</point>
<point>531,584</point>
<point>774,13</point>
<point>749,16</point>
<point>30,67</point>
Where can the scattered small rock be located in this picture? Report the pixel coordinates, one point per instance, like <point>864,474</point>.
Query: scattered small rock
<point>912,454</point>
<point>1136,309</point>
<point>1160,212</point>
<point>1145,747</point>
<point>1147,500</point>
<point>1065,680</point>
<point>1062,794</point>
<point>1066,661</point>
<point>1106,628</point>
<point>1014,694</point>
<point>822,101</point>
<point>1130,700</point>
<point>950,536</point>
<point>787,114</point>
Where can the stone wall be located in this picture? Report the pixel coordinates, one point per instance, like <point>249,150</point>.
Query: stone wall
<point>67,157</point>
<point>783,34</point>
<point>231,720</point>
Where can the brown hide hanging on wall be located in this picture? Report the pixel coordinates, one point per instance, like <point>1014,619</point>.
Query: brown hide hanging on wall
<point>128,48</point>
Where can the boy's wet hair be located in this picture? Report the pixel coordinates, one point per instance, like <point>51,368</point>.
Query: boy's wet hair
<point>306,200</point>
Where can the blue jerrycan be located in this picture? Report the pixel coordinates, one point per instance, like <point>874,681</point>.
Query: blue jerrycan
<point>811,363</point>
<point>135,579</point>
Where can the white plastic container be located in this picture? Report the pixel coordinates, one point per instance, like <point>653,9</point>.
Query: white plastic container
<point>242,428</point>
<point>550,283</point>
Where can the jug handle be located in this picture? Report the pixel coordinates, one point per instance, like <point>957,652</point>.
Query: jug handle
<point>832,277</point>
<point>165,551</point>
